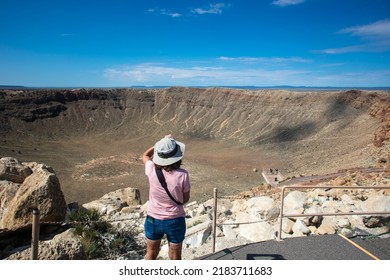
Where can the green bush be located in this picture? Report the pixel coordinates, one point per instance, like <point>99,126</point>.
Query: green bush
<point>102,241</point>
<point>92,229</point>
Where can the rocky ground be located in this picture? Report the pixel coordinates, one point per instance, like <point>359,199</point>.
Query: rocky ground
<point>243,218</point>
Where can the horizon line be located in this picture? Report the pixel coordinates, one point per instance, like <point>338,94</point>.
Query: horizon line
<point>211,86</point>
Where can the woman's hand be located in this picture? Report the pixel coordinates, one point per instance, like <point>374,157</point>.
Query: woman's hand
<point>147,155</point>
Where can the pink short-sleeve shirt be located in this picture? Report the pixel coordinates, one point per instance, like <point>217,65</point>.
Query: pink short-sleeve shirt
<point>160,206</point>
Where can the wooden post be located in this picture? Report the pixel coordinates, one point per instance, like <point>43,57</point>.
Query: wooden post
<point>35,235</point>
<point>215,219</point>
<point>281,214</point>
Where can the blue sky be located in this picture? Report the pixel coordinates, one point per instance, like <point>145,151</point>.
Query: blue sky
<point>119,43</point>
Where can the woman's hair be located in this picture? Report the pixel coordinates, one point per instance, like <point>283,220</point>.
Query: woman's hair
<point>171,167</point>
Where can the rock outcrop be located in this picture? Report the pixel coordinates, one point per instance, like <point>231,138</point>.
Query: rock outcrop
<point>24,187</point>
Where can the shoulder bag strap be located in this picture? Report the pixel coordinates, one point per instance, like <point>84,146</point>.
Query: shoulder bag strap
<point>163,183</point>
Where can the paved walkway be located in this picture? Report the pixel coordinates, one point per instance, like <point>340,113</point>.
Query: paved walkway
<point>314,247</point>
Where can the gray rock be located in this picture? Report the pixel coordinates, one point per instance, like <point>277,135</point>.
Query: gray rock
<point>376,204</point>
<point>13,170</point>
<point>39,190</point>
<point>295,200</point>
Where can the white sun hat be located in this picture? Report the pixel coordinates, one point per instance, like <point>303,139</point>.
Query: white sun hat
<point>167,151</point>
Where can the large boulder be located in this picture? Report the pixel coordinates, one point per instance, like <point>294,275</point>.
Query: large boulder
<point>263,207</point>
<point>257,232</point>
<point>376,204</point>
<point>39,190</point>
<point>294,202</point>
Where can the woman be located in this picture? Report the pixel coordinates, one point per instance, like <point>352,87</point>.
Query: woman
<point>166,215</point>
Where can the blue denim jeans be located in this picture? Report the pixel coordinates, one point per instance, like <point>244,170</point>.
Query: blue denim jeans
<point>174,229</point>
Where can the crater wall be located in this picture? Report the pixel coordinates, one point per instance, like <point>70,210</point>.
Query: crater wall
<point>231,131</point>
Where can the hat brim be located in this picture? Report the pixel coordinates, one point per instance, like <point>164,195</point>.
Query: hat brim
<point>171,160</point>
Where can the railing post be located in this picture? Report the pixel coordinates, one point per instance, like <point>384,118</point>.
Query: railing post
<point>35,235</point>
<point>281,215</point>
<point>214,219</point>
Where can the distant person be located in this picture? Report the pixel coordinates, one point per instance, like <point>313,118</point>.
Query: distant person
<point>166,214</point>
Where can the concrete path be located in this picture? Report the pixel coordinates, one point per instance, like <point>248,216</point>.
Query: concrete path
<point>314,247</point>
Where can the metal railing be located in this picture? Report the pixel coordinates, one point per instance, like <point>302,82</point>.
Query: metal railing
<point>282,215</point>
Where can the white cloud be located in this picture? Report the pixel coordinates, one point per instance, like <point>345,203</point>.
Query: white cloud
<point>213,9</point>
<point>349,49</point>
<point>67,34</point>
<point>157,74</point>
<point>150,74</point>
<point>165,12</point>
<point>375,35</point>
<point>379,29</point>
<point>332,65</point>
<point>216,9</point>
<point>283,3</point>
<point>265,60</point>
